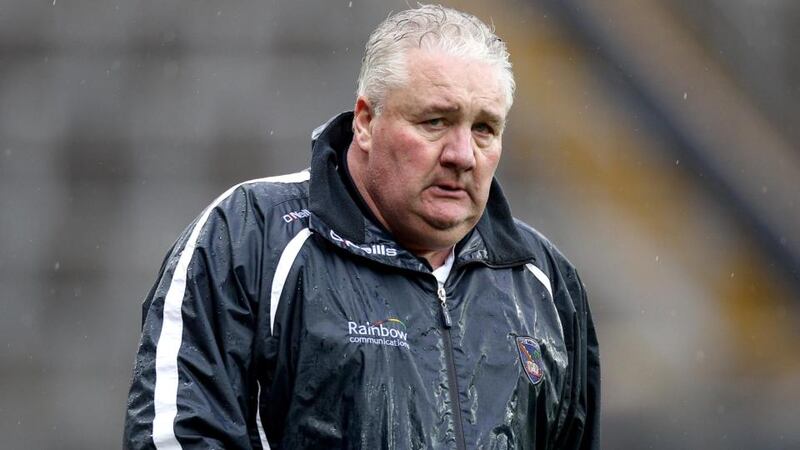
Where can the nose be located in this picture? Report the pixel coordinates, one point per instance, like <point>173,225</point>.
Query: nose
<point>458,150</point>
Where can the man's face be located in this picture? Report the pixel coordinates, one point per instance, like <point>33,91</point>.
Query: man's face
<point>433,150</point>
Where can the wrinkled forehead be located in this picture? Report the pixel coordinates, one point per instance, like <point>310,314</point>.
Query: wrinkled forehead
<point>451,83</point>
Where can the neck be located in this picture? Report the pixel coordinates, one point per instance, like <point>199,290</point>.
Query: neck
<point>436,258</point>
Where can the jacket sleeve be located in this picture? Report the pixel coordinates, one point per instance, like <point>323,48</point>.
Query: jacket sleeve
<point>192,382</point>
<point>580,427</point>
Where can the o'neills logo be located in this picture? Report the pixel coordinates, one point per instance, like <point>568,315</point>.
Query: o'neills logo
<point>391,332</point>
<point>374,249</point>
<point>296,215</point>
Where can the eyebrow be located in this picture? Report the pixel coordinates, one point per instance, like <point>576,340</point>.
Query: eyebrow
<point>441,108</point>
<point>444,108</point>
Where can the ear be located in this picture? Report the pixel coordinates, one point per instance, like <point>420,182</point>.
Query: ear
<point>363,118</point>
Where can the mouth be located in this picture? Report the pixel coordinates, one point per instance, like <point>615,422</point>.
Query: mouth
<point>450,190</point>
<point>450,186</point>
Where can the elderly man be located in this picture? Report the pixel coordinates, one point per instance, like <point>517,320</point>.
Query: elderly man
<point>384,299</point>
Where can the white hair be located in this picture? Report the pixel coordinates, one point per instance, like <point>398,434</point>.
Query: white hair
<point>428,27</point>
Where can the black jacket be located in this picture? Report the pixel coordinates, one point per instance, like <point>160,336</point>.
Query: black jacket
<point>285,318</point>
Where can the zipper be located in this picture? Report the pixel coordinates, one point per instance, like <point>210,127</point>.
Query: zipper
<point>447,323</point>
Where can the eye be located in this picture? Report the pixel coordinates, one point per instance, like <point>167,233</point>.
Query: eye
<point>483,128</point>
<point>437,122</point>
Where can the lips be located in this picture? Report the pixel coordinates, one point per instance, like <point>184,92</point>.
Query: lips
<point>450,186</point>
<point>450,190</point>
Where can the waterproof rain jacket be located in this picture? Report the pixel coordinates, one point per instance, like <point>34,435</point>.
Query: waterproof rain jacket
<point>285,318</point>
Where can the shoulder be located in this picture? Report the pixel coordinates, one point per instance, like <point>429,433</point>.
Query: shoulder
<point>262,200</point>
<point>567,287</point>
<point>264,193</point>
<point>546,253</point>
<point>248,210</point>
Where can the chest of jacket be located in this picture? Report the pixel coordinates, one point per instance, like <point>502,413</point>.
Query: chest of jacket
<point>372,362</point>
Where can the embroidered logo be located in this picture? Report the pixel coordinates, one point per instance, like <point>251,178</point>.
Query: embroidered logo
<point>374,249</point>
<point>391,332</point>
<point>530,355</point>
<point>296,215</point>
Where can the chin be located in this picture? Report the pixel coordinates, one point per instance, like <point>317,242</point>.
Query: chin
<point>456,227</point>
<point>445,225</point>
<point>436,229</point>
<point>433,234</point>
<point>448,217</point>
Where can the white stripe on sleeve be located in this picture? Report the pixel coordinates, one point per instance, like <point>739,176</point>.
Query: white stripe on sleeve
<point>261,434</point>
<point>537,272</point>
<point>282,271</point>
<point>285,263</point>
<point>165,395</point>
<point>542,277</point>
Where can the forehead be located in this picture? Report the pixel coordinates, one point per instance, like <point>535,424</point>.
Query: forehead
<point>436,80</point>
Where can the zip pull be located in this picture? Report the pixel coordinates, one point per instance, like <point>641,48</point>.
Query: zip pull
<point>443,303</point>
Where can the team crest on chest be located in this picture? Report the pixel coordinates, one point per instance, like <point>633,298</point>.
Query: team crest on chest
<point>530,355</point>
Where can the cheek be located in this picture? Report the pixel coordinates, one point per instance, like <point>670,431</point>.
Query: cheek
<point>489,162</point>
<point>402,147</point>
<point>401,154</point>
<point>390,166</point>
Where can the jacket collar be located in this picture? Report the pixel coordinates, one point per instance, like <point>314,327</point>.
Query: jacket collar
<point>336,215</point>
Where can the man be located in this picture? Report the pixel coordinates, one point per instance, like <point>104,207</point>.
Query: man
<point>386,299</point>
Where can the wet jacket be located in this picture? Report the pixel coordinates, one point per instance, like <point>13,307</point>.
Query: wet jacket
<point>285,318</point>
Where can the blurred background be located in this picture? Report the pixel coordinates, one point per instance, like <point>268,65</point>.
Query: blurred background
<point>654,141</point>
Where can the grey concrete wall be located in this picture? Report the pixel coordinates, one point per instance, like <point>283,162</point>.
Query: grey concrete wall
<point>120,121</point>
